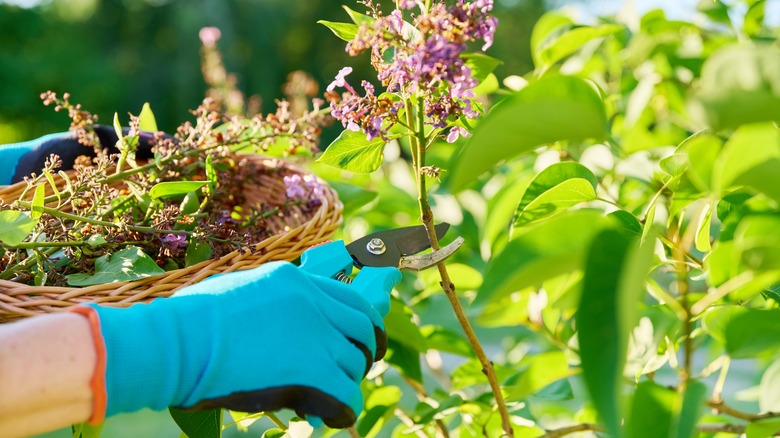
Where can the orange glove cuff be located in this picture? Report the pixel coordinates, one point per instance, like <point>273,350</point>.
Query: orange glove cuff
<point>98,381</point>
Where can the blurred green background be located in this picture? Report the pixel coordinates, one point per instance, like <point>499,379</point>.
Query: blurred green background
<point>114,55</point>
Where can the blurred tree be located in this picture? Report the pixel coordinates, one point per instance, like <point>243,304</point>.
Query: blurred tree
<point>114,55</point>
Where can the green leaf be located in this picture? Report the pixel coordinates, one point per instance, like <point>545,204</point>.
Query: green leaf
<point>406,359</point>
<point>757,242</point>
<point>96,240</point>
<point>688,415</point>
<point>763,428</point>
<point>470,374</point>
<point>704,148</point>
<point>442,339</point>
<point>353,152</point>
<point>547,28</point>
<point>651,411</point>
<point>53,185</point>
<point>615,271</point>
<point>739,84</point>
<point>675,164</point>
<point>15,226</point>
<point>117,127</point>
<point>211,173</point>
<point>769,389</point>
<point>174,188</point>
<point>752,333</point>
<point>357,17</point>
<point>566,194</point>
<point>36,207</point>
<point>562,45</point>
<point>379,409</point>
<point>557,187</point>
<point>353,197</point>
<point>190,204</point>
<point>703,222</point>
<point>753,21</point>
<point>274,433</point>
<point>715,10</point>
<point>539,252</point>
<point>551,109</point>
<point>487,86</point>
<point>127,264</point>
<point>86,430</point>
<point>146,120</point>
<point>345,31</point>
<point>716,321</point>
<point>541,370</point>
<point>626,221</point>
<point>196,252</point>
<point>243,420</point>
<point>752,156</point>
<point>399,326</point>
<point>501,209</point>
<point>481,65</point>
<point>198,424</point>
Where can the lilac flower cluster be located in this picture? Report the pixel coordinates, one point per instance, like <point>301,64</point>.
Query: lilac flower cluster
<point>426,62</point>
<point>305,187</point>
<point>174,241</point>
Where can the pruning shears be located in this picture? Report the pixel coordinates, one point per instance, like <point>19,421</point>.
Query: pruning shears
<point>397,248</point>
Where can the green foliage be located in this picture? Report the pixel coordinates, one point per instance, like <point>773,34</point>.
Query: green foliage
<point>174,188</point>
<point>615,269</point>
<point>622,210</point>
<point>15,226</point>
<point>551,109</point>
<point>127,264</point>
<point>198,424</point>
<point>354,152</point>
<point>86,430</point>
<point>739,85</point>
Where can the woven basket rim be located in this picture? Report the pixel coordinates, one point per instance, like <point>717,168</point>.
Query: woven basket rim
<point>21,300</point>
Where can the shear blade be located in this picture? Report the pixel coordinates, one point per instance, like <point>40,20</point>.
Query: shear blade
<point>417,240</point>
<point>425,261</point>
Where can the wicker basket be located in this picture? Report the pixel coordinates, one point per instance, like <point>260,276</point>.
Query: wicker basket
<point>293,234</point>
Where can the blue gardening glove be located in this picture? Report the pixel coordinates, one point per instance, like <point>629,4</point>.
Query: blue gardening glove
<point>18,160</point>
<point>277,336</point>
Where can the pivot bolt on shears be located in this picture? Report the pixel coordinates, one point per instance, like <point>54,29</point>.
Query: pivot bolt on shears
<point>397,248</point>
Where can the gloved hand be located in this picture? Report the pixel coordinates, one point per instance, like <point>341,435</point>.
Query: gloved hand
<point>277,336</point>
<point>18,160</point>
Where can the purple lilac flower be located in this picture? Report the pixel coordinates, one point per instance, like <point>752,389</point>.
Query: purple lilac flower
<point>340,79</point>
<point>427,63</point>
<point>456,132</point>
<point>317,191</point>
<point>301,188</point>
<point>174,241</point>
<point>294,186</point>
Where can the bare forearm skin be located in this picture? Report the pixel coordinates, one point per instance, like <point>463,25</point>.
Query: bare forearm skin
<point>46,364</point>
